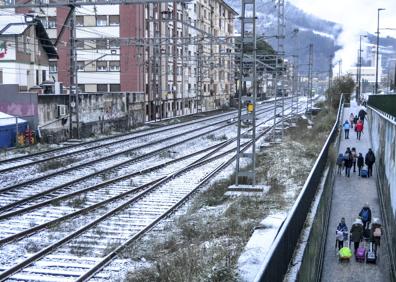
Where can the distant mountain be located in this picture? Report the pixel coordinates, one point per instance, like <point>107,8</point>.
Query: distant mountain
<point>323,34</point>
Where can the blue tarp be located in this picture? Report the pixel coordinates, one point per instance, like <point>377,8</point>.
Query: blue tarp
<point>8,130</point>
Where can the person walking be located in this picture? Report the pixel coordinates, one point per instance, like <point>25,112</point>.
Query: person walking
<point>355,119</point>
<point>348,162</point>
<point>356,233</point>
<point>359,129</point>
<point>351,119</point>
<point>346,127</point>
<point>360,162</point>
<point>362,114</point>
<point>369,160</point>
<point>354,158</point>
<point>341,234</point>
<point>365,215</point>
<point>340,162</point>
<point>376,232</point>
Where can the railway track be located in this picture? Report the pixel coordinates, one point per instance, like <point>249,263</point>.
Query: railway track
<point>131,219</point>
<point>22,175</point>
<point>20,194</point>
<point>69,151</point>
<point>139,209</point>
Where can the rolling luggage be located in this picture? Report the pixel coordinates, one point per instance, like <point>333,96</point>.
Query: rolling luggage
<point>371,255</point>
<point>360,254</point>
<point>364,173</point>
<point>345,254</point>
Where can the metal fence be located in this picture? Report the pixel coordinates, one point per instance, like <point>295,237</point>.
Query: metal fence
<point>277,260</point>
<point>384,103</point>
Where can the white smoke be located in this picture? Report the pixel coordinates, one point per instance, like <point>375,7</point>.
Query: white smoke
<point>357,17</point>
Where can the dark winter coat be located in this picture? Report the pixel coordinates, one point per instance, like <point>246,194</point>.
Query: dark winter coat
<point>360,161</point>
<point>348,159</point>
<point>362,114</point>
<point>340,159</point>
<point>369,214</point>
<point>356,232</point>
<point>370,158</point>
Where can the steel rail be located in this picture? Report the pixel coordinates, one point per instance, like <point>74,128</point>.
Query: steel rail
<point>46,192</point>
<point>154,131</point>
<point>5,274</point>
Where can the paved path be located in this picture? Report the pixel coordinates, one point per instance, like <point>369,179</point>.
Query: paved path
<point>349,196</point>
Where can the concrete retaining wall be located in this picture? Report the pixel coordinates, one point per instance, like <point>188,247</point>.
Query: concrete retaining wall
<point>99,113</point>
<point>383,137</point>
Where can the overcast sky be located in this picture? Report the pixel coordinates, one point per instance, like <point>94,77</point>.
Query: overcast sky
<point>356,17</point>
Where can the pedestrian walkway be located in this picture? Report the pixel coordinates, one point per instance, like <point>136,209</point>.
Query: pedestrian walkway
<point>349,196</point>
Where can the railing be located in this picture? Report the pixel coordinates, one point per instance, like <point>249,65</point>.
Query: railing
<point>277,260</point>
<point>384,103</point>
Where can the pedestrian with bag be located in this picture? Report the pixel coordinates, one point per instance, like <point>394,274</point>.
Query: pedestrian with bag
<point>359,129</point>
<point>365,215</point>
<point>348,162</point>
<point>360,162</point>
<point>351,119</point>
<point>354,158</point>
<point>346,127</point>
<point>369,160</point>
<point>376,232</point>
<point>341,234</point>
<point>362,114</point>
<point>340,162</point>
<point>356,233</point>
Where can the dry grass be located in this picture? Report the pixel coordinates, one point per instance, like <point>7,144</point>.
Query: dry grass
<point>205,243</point>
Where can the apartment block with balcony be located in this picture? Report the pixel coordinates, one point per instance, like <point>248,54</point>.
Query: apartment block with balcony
<point>107,58</point>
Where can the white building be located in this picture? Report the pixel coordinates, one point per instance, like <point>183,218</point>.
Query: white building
<point>25,50</point>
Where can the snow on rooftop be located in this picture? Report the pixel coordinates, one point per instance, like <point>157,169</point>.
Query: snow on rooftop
<point>6,119</point>
<point>15,29</point>
<point>11,19</point>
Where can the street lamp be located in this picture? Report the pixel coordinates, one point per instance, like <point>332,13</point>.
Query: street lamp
<point>376,63</point>
<point>360,69</point>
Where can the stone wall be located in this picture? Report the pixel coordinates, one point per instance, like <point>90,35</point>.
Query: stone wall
<point>383,138</point>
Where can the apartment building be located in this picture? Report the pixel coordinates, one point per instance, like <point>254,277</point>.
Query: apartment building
<point>25,50</point>
<point>107,59</point>
<point>170,51</point>
<point>189,57</point>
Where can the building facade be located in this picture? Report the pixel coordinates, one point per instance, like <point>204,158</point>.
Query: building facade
<point>180,55</point>
<point>25,51</point>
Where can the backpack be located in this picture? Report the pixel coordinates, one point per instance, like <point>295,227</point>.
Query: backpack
<point>377,232</point>
<point>347,156</point>
<point>365,215</point>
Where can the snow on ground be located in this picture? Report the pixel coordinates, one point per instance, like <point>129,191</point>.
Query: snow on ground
<point>253,255</point>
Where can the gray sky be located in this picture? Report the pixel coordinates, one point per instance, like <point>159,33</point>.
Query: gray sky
<point>356,17</point>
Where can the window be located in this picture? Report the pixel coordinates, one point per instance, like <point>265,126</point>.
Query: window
<point>20,42</point>
<point>101,66</point>
<point>114,43</point>
<point>80,65</point>
<point>51,22</point>
<point>52,67</point>
<point>80,44</point>
<point>101,44</point>
<point>44,75</point>
<point>114,20</point>
<point>44,22</point>
<point>114,66</point>
<point>101,20</point>
<point>81,87</point>
<point>102,87</point>
<point>115,87</point>
<point>79,20</point>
